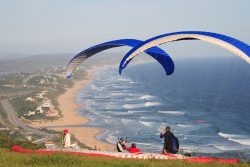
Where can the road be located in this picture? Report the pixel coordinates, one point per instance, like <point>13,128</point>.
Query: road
<point>12,116</point>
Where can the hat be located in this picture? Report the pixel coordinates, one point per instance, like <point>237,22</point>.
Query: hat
<point>65,131</point>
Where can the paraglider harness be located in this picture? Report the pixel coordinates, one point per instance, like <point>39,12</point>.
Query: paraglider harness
<point>120,145</point>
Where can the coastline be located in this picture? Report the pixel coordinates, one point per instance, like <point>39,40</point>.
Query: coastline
<point>70,117</point>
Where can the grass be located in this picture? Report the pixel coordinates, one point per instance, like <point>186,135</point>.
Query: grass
<point>8,158</point>
<point>7,141</point>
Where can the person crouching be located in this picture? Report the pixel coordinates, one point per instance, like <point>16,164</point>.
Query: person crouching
<point>133,149</point>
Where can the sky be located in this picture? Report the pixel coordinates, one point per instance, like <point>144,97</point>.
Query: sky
<point>69,26</point>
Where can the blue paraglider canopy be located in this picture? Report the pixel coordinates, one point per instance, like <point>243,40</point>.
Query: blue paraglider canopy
<point>237,47</point>
<point>158,54</point>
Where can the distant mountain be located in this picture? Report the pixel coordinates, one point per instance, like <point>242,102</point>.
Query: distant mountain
<point>33,63</point>
<point>36,63</point>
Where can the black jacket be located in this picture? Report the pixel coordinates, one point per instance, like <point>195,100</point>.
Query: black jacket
<point>168,136</point>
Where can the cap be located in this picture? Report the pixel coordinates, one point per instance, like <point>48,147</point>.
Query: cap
<point>65,131</point>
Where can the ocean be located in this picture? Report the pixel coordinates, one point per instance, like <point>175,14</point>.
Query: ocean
<point>206,102</point>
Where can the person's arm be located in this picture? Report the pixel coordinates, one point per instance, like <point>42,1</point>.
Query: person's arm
<point>162,135</point>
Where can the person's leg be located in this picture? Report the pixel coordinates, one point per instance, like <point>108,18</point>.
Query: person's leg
<point>164,151</point>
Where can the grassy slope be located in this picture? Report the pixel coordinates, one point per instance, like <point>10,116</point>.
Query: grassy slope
<point>8,158</point>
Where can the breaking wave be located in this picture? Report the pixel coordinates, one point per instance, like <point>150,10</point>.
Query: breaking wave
<point>172,112</point>
<point>149,124</point>
<point>236,138</point>
<point>151,104</point>
<point>146,97</point>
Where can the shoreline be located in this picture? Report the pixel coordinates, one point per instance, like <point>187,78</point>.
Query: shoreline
<point>68,107</point>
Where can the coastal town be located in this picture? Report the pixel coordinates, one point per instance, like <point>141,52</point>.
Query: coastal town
<point>27,98</point>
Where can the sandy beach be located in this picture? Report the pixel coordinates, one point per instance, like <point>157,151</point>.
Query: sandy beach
<point>70,117</point>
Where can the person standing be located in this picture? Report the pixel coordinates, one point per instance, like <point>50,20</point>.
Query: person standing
<point>67,138</point>
<point>168,142</point>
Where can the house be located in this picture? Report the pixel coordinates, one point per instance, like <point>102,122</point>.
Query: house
<point>30,113</point>
<point>39,109</point>
<point>51,113</point>
<point>30,99</point>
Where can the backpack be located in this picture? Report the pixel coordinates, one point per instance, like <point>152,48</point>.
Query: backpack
<point>175,146</point>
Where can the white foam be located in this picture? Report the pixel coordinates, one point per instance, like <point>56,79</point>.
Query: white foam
<point>123,79</point>
<point>241,141</point>
<point>133,106</point>
<point>131,99</point>
<point>118,113</point>
<point>150,124</point>
<point>173,112</point>
<point>117,94</point>
<point>224,135</point>
<point>183,125</point>
<point>146,97</point>
<point>133,111</point>
<point>151,104</point>
<point>126,121</point>
<point>110,107</point>
<point>145,117</point>
<point>111,137</point>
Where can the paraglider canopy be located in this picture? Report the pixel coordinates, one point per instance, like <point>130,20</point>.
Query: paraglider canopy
<point>158,54</point>
<point>237,47</point>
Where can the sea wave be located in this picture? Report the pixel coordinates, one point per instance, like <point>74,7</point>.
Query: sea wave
<point>118,113</point>
<point>131,99</point>
<point>132,106</point>
<point>147,97</point>
<point>117,94</point>
<point>225,135</point>
<point>152,104</point>
<point>112,107</point>
<point>172,112</point>
<point>183,125</point>
<point>134,111</point>
<point>241,139</point>
<point>127,121</point>
<point>111,138</point>
<point>141,105</point>
<point>149,124</point>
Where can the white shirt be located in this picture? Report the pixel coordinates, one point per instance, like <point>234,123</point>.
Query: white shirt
<point>67,140</point>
